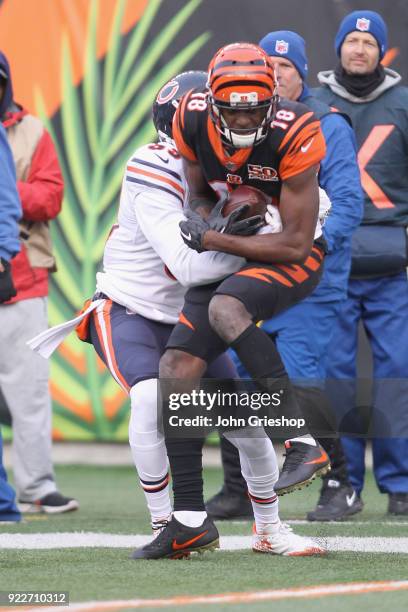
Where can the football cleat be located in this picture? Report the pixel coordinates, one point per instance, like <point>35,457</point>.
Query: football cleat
<point>53,503</point>
<point>177,541</point>
<point>226,506</point>
<point>337,501</point>
<point>398,504</point>
<point>302,464</point>
<point>279,539</point>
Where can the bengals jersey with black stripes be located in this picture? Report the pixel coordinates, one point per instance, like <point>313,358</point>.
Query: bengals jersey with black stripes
<point>293,144</point>
<point>146,265</point>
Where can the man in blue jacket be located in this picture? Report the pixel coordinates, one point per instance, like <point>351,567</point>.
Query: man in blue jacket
<point>378,289</point>
<point>10,213</point>
<point>302,333</point>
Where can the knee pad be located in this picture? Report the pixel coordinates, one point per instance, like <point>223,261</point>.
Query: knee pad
<point>146,442</point>
<point>143,416</point>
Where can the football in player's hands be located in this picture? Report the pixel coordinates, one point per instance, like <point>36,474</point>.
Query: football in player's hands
<point>255,199</point>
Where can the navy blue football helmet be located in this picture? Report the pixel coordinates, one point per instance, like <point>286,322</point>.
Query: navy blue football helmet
<point>168,98</point>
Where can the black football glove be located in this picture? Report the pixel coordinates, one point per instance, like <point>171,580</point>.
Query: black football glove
<point>7,289</point>
<point>249,226</point>
<point>232,224</point>
<point>221,224</point>
<point>192,231</point>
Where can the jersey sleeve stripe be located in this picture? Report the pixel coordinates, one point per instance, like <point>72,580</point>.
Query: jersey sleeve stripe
<point>155,186</point>
<point>303,137</point>
<point>181,145</point>
<point>295,127</point>
<point>183,108</point>
<point>156,177</point>
<point>156,167</point>
<point>308,151</point>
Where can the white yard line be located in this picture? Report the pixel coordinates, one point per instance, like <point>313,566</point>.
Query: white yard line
<point>392,523</point>
<point>37,541</point>
<point>349,523</point>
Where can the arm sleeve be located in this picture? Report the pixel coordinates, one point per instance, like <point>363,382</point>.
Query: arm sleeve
<point>41,195</point>
<point>339,176</point>
<point>159,218</point>
<point>10,207</point>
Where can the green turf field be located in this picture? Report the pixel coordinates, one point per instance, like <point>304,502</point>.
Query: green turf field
<point>112,503</point>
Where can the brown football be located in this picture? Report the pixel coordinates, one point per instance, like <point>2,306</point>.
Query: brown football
<point>244,194</point>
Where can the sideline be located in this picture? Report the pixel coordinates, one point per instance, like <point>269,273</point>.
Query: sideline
<point>311,592</point>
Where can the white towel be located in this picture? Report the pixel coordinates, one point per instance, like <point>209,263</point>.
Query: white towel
<point>45,343</point>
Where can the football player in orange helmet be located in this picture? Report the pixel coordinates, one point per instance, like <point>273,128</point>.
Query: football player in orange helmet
<point>242,95</point>
<point>237,132</point>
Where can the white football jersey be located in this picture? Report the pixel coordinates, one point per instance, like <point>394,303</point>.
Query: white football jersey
<point>146,266</point>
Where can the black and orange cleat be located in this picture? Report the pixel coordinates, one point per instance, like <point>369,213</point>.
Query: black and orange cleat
<point>177,541</point>
<point>226,506</point>
<point>302,464</point>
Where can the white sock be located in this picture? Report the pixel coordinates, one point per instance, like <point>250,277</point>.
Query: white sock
<point>259,467</point>
<point>148,449</point>
<point>268,528</point>
<point>307,439</point>
<point>190,518</point>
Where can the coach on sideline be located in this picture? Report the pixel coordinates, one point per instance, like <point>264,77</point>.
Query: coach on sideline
<point>10,213</point>
<point>302,333</point>
<point>378,289</point>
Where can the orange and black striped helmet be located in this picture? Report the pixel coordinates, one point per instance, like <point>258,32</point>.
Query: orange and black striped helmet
<point>241,76</point>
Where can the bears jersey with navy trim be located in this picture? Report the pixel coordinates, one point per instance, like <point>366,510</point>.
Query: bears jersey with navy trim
<point>146,265</point>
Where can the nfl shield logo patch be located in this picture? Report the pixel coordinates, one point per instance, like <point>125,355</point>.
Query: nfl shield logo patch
<point>281,46</point>
<point>363,24</point>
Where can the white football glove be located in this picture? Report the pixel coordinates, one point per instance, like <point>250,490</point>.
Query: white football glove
<point>273,219</point>
<point>324,205</point>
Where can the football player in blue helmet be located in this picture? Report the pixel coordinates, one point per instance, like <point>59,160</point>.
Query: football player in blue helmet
<point>168,99</point>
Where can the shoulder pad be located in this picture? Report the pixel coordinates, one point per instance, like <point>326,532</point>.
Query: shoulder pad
<point>288,119</point>
<point>190,117</point>
<point>157,166</point>
<point>160,155</point>
<point>295,107</point>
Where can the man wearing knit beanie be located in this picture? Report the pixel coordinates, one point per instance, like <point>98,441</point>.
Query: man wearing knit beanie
<point>378,288</point>
<point>288,45</point>
<point>363,21</point>
<point>302,333</point>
